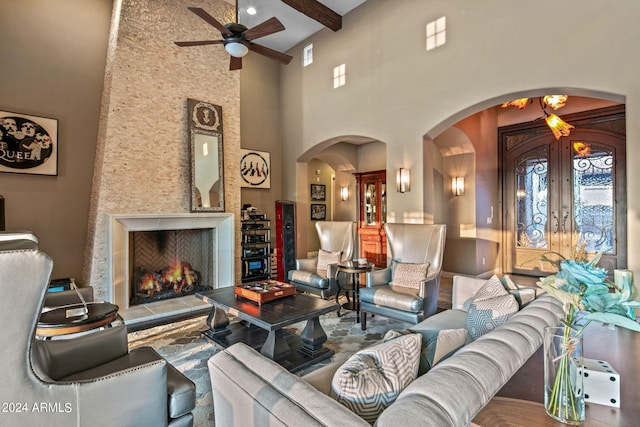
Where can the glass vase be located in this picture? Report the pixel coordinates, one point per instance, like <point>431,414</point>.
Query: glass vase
<point>563,390</point>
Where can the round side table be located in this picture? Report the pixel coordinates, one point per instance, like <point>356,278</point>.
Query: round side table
<point>69,319</point>
<point>354,270</point>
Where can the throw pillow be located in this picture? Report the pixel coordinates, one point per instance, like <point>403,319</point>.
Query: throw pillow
<point>436,345</point>
<point>491,307</point>
<point>372,379</point>
<point>409,275</point>
<point>508,283</point>
<point>326,258</point>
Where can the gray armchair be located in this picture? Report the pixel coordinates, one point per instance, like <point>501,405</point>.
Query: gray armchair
<point>91,380</point>
<point>335,236</point>
<point>19,239</point>
<point>407,243</point>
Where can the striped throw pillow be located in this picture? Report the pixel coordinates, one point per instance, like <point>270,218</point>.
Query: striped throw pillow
<point>409,275</point>
<point>325,259</point>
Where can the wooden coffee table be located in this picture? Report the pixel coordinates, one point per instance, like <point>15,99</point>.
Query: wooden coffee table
<point>261,326</point>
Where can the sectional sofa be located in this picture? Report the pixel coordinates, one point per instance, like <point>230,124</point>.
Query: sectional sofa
<point>249,389</point>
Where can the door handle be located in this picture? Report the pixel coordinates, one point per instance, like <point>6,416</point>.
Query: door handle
<point>555,217</point>
<point>564,221</point>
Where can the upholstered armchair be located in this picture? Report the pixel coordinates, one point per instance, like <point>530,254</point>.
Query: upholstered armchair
<point>317,275</point>
<point>407,289</point>
<point>90,380</point>
<point>18,239</point>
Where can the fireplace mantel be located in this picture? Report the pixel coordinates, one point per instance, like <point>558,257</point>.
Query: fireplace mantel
<point>120,225</point>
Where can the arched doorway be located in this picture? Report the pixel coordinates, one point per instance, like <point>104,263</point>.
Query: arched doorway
<point>485,231</point>
<point>565,196</point>
<point>332,163</point>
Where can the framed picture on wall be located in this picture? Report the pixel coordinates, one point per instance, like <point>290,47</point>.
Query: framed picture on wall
<point>28,144</point>
<point>318,192</point>
<point>255,169</point>
<point>318,212</point>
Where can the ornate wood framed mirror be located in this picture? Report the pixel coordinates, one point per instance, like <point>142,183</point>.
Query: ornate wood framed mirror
<point>206,155</point>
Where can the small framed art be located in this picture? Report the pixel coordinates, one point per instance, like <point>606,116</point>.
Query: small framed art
<point>318,192</point>
<point>255,169</point>
<point>318,212</point>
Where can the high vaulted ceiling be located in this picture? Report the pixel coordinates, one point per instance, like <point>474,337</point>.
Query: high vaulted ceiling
<point>298,26</point>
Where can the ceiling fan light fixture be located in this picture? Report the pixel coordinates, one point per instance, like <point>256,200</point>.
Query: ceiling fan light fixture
<point>236,49</point>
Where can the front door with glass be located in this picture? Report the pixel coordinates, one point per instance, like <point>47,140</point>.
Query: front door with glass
<point>562,196</point>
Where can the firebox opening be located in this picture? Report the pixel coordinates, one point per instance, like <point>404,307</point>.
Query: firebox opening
<point>167,264</point>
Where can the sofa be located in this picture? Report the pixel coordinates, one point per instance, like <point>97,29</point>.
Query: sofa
<point>249,389</point>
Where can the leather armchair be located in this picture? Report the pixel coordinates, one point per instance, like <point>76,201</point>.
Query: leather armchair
<point>91,380</point>
<point>407,243</point>
<point>335,236</point>
<point>18,239</point>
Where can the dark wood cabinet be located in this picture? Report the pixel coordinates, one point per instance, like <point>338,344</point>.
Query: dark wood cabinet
<point>372,202</point>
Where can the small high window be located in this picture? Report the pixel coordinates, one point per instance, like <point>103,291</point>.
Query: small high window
<point>307,55</point>
<point>436,33</point>
<point>339,76</point>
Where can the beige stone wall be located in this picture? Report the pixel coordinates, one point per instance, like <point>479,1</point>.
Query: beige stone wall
<point>142,158</point>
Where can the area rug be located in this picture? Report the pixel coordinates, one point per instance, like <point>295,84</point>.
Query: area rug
<point>183,345</point>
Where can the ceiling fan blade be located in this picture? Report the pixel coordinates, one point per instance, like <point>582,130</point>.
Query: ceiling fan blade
<point>317,11</point>
<point>270,26</point>
<point>198,43</point>
<point>235,63</point>
<point>270,53</point>
<point>211,20</point>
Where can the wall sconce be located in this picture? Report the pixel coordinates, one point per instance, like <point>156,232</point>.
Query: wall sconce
<point>457,185</point>
<point>344,193</point>
<point>403,180</point>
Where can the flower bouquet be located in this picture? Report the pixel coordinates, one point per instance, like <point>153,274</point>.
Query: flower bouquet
<point>586,295</point>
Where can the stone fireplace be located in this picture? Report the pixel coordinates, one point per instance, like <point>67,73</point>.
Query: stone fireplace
<point>142,149</point>
<point>153,243</point>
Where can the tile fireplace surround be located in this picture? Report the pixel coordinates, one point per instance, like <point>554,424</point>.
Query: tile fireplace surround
<point>118,260</point>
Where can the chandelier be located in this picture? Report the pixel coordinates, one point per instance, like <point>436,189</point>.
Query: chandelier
<point>558,126</point>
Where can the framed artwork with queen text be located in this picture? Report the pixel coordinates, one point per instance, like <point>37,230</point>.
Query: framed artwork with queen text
<point>28,144</point>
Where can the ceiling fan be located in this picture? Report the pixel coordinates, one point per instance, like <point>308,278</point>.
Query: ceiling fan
<point>238,39</point>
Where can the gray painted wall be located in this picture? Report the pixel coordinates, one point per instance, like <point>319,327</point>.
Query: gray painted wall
<point>261,128</point>
<point>53,62</point>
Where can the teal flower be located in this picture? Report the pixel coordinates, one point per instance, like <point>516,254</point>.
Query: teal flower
<point>587,294</point>
<point>583,272</point>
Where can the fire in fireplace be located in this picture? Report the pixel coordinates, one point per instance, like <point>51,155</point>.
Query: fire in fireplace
<point>169,264</point>
<point>176,280</point>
